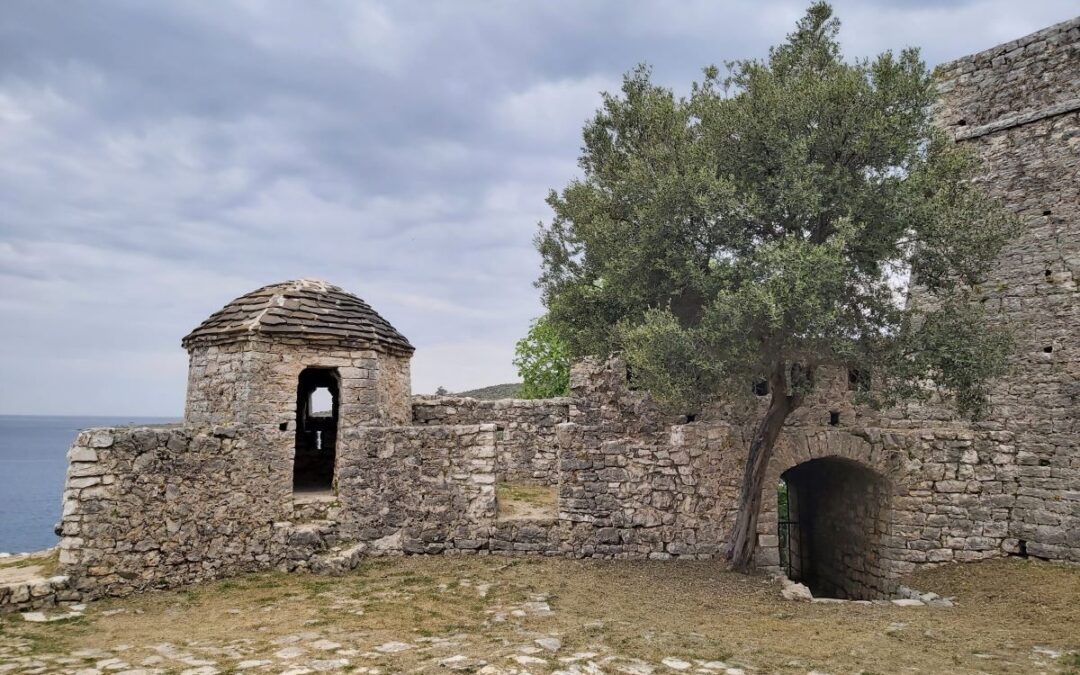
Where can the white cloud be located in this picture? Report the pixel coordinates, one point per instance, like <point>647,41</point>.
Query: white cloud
<point>553,111</point>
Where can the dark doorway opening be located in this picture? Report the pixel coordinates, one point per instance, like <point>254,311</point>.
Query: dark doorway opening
<point>316,430</point>
<point>831,517</point>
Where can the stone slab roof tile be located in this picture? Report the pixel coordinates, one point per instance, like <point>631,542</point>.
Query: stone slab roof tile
<point>308,309</point>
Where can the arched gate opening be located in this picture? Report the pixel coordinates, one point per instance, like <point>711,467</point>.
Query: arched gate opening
<point>831,518</point>
<point>316,430</point>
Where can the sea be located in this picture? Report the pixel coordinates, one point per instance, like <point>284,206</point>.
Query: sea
<point>33,460</point>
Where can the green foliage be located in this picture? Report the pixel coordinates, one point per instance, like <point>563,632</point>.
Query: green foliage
<point>773,219</point>
<point>543,362</point>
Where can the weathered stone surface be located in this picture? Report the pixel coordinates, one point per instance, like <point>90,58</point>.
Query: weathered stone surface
<point>795,591</point>
<point>311,310</point>
<point>525,444</point>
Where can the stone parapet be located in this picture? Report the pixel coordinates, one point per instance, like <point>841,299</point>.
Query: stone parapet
<point>525,430</point>
<point>150,508</point>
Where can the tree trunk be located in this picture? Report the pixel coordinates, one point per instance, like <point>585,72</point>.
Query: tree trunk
<point>743,540</point>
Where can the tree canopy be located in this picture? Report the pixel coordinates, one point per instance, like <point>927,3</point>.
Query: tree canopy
<point>772,222</point>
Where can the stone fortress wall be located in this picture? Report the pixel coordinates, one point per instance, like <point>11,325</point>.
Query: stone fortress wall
<point>158,507</point>
<point>1017,106</point>
<point>151,508</point>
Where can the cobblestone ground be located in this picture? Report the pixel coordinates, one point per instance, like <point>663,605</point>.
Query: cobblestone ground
<point>513,616</point>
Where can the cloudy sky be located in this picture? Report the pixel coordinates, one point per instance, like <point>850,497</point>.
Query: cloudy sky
<point>159,159</point>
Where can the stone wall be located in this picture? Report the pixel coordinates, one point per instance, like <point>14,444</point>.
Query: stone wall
<point>418,489</point>
<point>393,381</point>
<point>525,437</point>
<point>659,495</point>
<point>948,492</point>
<point>1018,107</point>
<point>154,507</point>
<point>27,584</point>
<point>1011,82</point>
<point>253,384</point>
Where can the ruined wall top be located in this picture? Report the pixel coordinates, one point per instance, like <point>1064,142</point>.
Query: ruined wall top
<point>1013,83</point>
<point>305,310</point>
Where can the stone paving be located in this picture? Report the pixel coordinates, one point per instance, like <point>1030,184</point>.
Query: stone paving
<point>332,651</point>
<point>315,651</point>
<point>485,616</point>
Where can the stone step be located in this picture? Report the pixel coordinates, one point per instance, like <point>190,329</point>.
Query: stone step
<point>315,506</point>
<point>304,540</point>
<point>36,593</point>
<point>338,560</point>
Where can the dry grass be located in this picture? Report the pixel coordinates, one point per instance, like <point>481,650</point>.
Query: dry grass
<point>619,610</point>
<point>29,565</point>
<point>526,501</point>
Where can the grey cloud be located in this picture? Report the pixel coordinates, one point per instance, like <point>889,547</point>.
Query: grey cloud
<point>159,159</point>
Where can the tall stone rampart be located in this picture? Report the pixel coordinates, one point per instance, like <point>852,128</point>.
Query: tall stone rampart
<point>1017,106</point>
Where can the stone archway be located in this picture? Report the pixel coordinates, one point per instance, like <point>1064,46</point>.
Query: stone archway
<point>316,430</point>
<point>840,492</point>
<point>833,544</point>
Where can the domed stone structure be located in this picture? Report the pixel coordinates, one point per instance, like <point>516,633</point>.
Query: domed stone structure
<point>301,359</point>
<point>304,310</point>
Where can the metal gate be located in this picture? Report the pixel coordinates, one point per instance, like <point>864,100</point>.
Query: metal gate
<point>788,534</point>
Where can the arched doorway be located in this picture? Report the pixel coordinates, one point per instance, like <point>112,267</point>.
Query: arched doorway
<point>316,430</point>
<point>832,518</point>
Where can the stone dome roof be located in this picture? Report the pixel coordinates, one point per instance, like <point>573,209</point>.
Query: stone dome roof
<point>309,310</point>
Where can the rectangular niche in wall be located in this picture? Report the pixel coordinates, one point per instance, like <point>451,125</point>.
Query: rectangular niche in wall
<point>316,430</point>
<point>519,500</point>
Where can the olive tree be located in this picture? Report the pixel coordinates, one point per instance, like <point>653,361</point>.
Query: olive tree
<point>770,224</point>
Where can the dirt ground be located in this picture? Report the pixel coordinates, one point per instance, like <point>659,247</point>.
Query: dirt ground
<point>516,615</point>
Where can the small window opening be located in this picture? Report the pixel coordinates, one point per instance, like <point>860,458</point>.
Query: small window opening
<point>1046,212</point>
<point>761,388</point>
<point>316,430</point>
<point>1049,349</point>
<point>962,123</point>
<point>690,417</point>
<point>858,379</point>
<point>284,426</point>
<point>1048,273</point>
<point>834,418</point>
<point>322,402</point>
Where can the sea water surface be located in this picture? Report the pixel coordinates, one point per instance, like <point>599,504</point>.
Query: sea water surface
<point>33,459</point>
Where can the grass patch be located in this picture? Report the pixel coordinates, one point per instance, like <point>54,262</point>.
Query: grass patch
<point>520,500</point>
